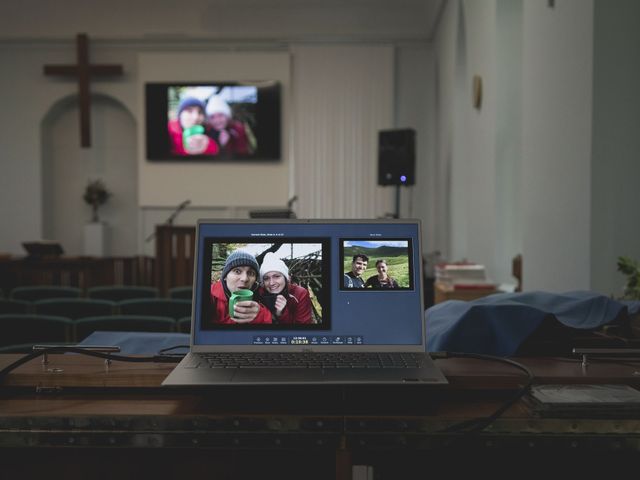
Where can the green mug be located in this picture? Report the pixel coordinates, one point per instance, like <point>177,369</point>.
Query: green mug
<point>240,295</point>
<point>187,132</point>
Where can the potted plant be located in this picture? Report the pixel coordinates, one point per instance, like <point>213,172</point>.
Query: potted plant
<point>631,269</point>
<point>96,194</point>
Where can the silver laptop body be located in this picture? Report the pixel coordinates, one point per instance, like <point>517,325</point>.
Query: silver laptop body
<point>332,330</point>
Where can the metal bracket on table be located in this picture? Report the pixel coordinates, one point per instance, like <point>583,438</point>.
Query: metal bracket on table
<point>605,352</point>
<point>90,348</point>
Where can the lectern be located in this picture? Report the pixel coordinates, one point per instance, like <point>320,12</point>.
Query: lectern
<point>175,249</point>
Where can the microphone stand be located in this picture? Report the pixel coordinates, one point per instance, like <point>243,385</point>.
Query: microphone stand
<point>171,218</point>
<point>292,200</point>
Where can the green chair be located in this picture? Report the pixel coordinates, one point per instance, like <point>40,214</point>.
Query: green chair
<point>35,293</point>
<point>164,307</point>
<point>83,327</point>
<point>184,324</point>
<point>184,293</point>
<point>20,328</point>
<point>117,293</point>
<point>74,308</point>
<point>14,306</point>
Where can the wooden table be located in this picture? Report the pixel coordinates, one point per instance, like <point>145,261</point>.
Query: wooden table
<point>75,418</point>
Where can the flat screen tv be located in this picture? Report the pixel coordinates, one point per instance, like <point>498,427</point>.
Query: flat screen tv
<point>211,121</point>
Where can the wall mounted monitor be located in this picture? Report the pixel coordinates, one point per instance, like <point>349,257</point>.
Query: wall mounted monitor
<point>213,121</point>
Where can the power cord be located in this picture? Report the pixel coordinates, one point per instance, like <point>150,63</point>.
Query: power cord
<point>476,425</point>
<point>159,358</point>
<point>175,347</point>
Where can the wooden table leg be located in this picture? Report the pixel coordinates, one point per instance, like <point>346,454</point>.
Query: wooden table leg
<point>344,469</point>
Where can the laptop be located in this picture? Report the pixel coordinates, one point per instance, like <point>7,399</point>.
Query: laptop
<point>331,325</point>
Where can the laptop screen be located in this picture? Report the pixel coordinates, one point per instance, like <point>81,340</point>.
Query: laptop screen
<point>309,283</point>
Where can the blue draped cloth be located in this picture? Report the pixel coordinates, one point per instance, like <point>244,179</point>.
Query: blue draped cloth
<point>145,343</point>
<point>499,323</point>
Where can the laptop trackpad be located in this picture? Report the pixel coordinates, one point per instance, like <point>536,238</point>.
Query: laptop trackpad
<point>276,375</point>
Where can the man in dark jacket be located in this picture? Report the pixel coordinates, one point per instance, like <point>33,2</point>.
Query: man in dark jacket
<point>353,279</point>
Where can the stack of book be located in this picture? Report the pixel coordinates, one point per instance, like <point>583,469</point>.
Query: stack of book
<point>463,276</point>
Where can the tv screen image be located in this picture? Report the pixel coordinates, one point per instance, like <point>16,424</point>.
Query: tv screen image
<point>369,265</point>
<point>289,281</point>
<point>209,121</point>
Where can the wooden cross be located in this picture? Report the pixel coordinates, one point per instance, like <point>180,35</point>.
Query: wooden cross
<point>83,70</point>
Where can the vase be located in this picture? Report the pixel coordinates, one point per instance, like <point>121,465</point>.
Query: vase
<point>95,239</point>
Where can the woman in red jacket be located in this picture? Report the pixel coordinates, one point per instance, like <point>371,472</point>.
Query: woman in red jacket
<point>288,303</point>
<point>240,271</point>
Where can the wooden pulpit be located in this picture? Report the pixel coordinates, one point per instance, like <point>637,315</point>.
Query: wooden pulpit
<point>175,250</point>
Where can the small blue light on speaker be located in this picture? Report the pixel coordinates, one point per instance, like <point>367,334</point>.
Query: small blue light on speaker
<point>403,178</point>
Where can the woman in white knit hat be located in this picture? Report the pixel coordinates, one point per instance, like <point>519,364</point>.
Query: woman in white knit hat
<point>228,133</point>
<point>289,303</point>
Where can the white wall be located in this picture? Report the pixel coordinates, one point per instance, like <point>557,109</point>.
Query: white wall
<point>508,242</point>
<point>572,187</point>
<point>520,167</point>
<point>160,187</point>
<point>556,144</point>
<point>415,108</point>
<point>67,168</point>
<point>215,183</point>
<point>241,36</point>
<point>476,162</point>
<point>466,46</point>
<point>446,59</point>
<point>29,96</point>
<point>616,123</point>
<point>237,20</point>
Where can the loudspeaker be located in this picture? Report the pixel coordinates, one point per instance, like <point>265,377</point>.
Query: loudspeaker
<point>396,157</point>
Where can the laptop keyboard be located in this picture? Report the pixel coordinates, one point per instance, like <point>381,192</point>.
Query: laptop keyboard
<point>307,360</point>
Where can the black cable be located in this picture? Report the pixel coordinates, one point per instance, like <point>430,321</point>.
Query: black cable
<point>472,425</point>
<point>476,425</point>
<point>107,356</point>
<point>175,347</point>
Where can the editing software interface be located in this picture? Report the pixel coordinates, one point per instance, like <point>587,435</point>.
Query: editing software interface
<point>315,284</point>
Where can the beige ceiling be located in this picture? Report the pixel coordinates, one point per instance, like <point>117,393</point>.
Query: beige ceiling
<point>305,20</point>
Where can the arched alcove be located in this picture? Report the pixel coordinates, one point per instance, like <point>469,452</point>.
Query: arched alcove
<point>67,168</point>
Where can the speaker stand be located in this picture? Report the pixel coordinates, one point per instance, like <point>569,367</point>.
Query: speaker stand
<point>397,212</point>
